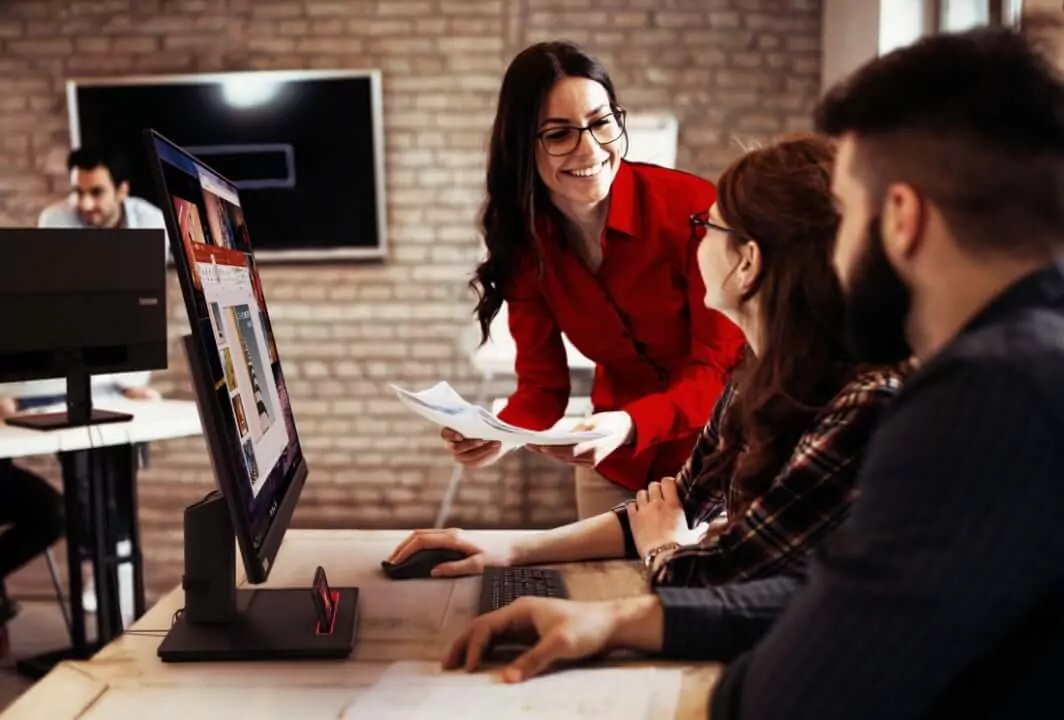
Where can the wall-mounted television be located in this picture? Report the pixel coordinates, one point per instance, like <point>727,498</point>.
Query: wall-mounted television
<point>305,148</point>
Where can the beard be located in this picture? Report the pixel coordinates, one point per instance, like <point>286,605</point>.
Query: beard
<point>877,306</point>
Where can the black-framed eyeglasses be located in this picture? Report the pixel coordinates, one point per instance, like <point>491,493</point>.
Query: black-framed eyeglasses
<point>565,139</point>
<point>701,219</point>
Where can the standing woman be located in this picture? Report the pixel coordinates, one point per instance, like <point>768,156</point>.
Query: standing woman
<point>582,242</point>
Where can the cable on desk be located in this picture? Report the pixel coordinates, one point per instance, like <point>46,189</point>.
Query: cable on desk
<point>158,632</point>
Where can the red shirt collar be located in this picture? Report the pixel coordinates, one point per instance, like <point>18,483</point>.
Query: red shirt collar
<point>624,202</point>
<point>623,212</point>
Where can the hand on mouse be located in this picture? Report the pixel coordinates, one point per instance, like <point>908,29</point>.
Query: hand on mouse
<point>561,630</point>
<point>470,451</point>
<point>479,554</point>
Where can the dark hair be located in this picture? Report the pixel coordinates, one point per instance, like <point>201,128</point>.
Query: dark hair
<point>89,157</point>
<point>974,122</point>
<point>515,191</point>
<point>779,197</point>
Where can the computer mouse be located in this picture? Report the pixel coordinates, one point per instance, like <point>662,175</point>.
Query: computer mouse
<point>420,564</point>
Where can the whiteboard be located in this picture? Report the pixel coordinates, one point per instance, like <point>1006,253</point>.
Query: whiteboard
<point>652,138</point>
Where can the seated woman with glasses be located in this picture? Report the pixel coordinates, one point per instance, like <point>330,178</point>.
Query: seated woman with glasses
<point>582,242</point>
<point>780,455</point>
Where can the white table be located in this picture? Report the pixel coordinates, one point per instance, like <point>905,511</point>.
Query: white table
<point>106,455</point>
<point>152,420</point>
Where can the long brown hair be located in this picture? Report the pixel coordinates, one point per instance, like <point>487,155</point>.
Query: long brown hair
<point>515,191</point>
<point>779,196</point>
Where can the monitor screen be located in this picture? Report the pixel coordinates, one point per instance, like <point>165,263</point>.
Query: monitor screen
<point>305,148</point>
<point>228,311</point>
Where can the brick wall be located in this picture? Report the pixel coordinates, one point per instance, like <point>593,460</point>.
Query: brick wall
<point>729,69</point>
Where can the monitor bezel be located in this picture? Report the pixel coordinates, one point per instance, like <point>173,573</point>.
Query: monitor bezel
<point>227,471</point>
<point>380,251</point>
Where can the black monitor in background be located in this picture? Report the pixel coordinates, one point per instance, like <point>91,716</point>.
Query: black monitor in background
<point>251,437</point>
<point>76,303</point>
<point>305,148</point>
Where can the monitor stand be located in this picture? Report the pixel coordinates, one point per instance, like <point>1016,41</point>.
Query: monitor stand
<point>79,410</point>
<point>220,622</point>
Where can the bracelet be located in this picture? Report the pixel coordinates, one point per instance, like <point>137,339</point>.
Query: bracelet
<point>652,554</point>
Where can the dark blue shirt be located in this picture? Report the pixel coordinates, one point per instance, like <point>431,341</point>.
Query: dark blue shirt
<point>943,593</point>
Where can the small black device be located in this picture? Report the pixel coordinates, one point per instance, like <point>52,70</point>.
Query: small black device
<point>322,596</point>
<point>251,438</point>
<point>500,586</point>
<point>76,302</point>
<point>420,563</point>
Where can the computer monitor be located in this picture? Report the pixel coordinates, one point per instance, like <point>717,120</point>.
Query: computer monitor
<point>250,431</point>
<point>76,303</point>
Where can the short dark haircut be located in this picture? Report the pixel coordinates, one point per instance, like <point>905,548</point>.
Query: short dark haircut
<point>89,157</point>
<point>974,122</point>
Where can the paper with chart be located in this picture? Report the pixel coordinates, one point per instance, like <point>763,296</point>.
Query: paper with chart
<point>442,405</point>
<point>419,691</point>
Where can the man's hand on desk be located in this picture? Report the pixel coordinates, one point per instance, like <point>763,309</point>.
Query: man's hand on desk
<point>561,630</point>
<point>498,552</point>
<point>142,393</point>
<point>8,407</point>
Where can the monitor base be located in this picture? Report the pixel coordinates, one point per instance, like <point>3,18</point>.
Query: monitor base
<point>223,622</point>
<point>271,624</point>
<point>63,420</point>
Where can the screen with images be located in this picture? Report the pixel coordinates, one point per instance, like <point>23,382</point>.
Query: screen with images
<point>230,314</point>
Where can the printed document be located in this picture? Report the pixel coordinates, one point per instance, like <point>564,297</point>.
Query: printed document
<point>443,405</point>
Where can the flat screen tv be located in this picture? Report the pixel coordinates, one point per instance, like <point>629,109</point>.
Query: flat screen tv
<point>305,148</point>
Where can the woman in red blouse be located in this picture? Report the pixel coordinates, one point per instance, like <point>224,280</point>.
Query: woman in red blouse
<point>776,466</point>
<point>582,242</point>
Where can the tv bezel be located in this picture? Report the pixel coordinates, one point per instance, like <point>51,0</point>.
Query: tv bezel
<point>379,251</point>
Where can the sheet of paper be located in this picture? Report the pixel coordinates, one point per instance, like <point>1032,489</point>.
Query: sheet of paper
<point>416,691</point>
<point>442,405</point>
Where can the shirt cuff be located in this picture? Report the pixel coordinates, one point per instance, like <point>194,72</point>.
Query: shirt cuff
<point>687,608</point>
<point>648,420</point>
<point>630,551</point>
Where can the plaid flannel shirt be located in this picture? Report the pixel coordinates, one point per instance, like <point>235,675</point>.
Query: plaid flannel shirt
<point>809,497</point>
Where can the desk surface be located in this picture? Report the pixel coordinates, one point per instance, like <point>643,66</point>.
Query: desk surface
<point>152,420</point>
<point>412,620</point>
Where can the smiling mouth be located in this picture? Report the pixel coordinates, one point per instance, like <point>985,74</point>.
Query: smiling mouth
<point>588,171</point>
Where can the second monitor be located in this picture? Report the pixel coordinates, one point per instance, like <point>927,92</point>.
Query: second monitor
<point>75,303</point>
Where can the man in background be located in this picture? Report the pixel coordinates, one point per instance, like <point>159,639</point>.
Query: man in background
<point>99,196</point>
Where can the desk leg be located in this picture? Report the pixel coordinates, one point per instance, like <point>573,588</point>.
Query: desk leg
<point>98,486</point>
<point>117,468</point>
<point>75,466</point>
<point>103,543</point>
<point>127,463</point>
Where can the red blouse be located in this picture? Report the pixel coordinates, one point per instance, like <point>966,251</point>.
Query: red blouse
<point>659,354</point>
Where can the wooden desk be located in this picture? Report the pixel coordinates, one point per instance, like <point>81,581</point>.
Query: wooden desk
<point>399,620</point>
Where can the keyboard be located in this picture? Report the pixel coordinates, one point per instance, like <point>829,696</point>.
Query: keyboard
<point>502,585</point>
